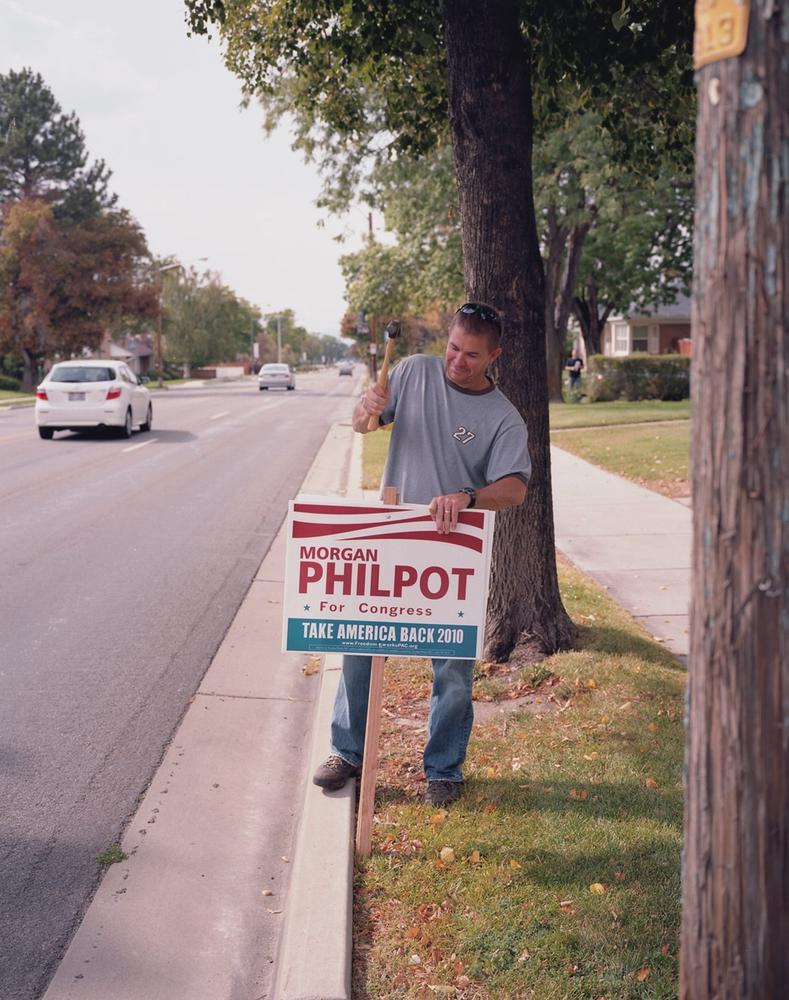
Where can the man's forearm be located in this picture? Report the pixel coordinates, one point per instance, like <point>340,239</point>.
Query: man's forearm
<point>507,492</point>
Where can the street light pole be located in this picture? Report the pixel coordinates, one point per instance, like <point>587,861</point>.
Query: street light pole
<point>161,270</point>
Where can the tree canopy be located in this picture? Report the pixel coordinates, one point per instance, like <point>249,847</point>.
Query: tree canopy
<point>43,154</point>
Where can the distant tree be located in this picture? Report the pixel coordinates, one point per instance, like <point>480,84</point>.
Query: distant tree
<point>637,255</point>
<point>204,321</point>
<point>60,285</point>
<point>42,152</point>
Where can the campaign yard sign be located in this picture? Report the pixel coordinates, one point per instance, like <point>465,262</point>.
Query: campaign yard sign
<point>379,580</point>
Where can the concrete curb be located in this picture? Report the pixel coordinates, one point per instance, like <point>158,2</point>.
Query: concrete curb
<point>315,955</point>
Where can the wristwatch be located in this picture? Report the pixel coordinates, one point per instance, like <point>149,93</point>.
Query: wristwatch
<point>471,493</point>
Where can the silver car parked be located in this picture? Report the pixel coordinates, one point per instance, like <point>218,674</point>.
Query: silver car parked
<point>276,376</point>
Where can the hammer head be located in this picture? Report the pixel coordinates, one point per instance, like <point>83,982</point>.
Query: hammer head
<point>392,329</point>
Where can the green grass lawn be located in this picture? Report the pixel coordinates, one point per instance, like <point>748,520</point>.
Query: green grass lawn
<point>655,456</point>
<point>9,396</point>
<point>556,876</point>
<point>557,873</point>
<point>596,414</point>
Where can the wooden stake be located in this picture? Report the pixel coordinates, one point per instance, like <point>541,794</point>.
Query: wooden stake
<point>364,819</point>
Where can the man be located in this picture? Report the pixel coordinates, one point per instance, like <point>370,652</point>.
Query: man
<point>574,366</point>
<point>457,442</point>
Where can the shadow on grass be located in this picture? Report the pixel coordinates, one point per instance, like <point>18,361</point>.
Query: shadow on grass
<point>623,642</point>
<point>605,800</point>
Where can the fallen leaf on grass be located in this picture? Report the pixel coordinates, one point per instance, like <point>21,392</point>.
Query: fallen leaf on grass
<point>524,955</point>
<point>665,950</point>
<point>591,683</point>
<point>514,865</point>
<point>475,857</point>
<point>642,975</point>
<point>447,855</point>
<point>652,727</point>
<point>490,807</point>
<point>566,906</point>
<point>651,783</point>
<point>597,888</point>
<point>582,794</point>
<point>413,932</point>
<point>438,818</point>
<point>619,876</point>
<point>490,772</point>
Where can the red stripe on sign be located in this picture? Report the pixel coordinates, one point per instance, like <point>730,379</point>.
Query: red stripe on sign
<point>314,508</point>
<point>308,529</point>
<point>474,518</point>
<point>454,538</point>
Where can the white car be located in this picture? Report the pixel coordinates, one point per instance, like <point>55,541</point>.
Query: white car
<point>76,395</point>
<point>276,376</point>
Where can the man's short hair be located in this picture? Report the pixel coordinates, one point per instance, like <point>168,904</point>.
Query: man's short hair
<point>479,318</point>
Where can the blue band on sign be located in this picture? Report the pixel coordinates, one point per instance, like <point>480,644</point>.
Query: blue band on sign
<point>382,638</point>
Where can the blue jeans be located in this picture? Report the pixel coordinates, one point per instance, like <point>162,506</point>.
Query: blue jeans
<point>448,725</point>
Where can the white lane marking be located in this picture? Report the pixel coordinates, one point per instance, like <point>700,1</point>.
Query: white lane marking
<point>142,444</point>
<point>224,413</point>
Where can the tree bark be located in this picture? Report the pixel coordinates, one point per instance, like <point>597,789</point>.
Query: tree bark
<point>554,339</point>
<point>587,312</point>
<point>735,923</point>
<point>489,77</point>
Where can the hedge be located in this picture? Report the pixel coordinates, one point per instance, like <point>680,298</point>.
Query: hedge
<point>9,383</point>
<point>638,376</point>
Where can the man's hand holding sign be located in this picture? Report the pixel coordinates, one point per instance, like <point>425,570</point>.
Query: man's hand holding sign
<point>458,446</point>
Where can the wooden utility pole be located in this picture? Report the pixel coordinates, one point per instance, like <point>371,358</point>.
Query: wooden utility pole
<point>735,917</point>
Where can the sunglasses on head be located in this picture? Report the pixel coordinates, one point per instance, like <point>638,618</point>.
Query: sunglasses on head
<point>484,312</point>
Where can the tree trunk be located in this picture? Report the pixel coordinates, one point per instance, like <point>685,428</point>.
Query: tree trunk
<point>489,76</point>
<point>554,339</point>
<point>570,277</point>
<point>589,318</point>
<point>29,370</point>
<point>735,922</point>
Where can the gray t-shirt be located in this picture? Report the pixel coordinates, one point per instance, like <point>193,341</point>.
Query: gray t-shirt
<point>445,437</point>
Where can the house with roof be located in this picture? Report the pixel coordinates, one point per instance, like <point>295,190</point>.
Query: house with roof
<point>663,330</point>
<point>136,350</point>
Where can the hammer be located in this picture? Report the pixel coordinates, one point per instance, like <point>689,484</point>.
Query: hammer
<point>392,333</point>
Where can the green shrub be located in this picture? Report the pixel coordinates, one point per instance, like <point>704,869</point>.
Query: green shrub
<point>638,376</point>
<point>9,383</point>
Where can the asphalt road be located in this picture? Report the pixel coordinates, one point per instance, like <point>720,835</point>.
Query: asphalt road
<point>123,565</point>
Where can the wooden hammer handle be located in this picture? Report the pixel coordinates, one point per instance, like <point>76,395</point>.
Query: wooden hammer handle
<point>383,379</point>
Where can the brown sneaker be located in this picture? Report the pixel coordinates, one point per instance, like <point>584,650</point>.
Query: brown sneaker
<point>442,793</point>
<point>334,772</point>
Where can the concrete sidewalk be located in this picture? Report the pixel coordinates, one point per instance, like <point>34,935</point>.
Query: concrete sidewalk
<point>634,542</point>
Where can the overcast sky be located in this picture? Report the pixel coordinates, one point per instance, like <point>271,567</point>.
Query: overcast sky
<point>198,174</point>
